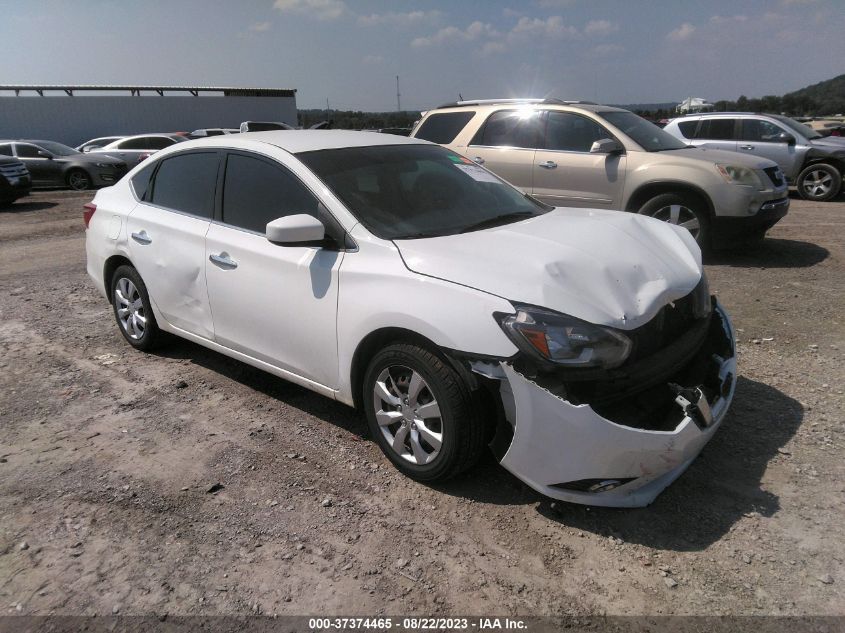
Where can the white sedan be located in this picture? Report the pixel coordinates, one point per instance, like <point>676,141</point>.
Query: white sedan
<point>582,346</point>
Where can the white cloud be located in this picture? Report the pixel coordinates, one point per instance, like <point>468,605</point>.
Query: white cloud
<point>259,27</point>
<point>401,19</point>
<point>605,50</point>
<point>554,4</point>
<point>719,19</point>
<point>475,31</point>
<point>683,32</point>
<point>553,26</point>
<point>600,28</point>
<point>320,9</point>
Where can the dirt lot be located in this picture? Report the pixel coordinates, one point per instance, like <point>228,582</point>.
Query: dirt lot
<point>107,457</point>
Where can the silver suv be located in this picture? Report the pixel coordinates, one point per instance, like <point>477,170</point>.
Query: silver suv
<point>576,154</point>
<point>814,164</point>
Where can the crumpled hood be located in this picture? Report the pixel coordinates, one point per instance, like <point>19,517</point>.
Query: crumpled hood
<point>605,267</point>
<point>829,142</point>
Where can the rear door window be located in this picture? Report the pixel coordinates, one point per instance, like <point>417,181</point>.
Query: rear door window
<point>717,130</point>
<point>687,128</point>
<point>511,128</point>
<point>134,143</point>
<point>256,191</point>
<point>159,142</point>
<point>444,127</point>
<point>187,183</point>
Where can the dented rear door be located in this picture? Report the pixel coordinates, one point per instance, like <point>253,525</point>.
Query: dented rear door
<point>167,239</point>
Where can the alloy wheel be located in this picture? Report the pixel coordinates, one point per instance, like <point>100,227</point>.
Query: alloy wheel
<point>681,216</point>
<point>817,183</point>
<point>408,414</point>
<point>130,308</point>
<point>78,181</point>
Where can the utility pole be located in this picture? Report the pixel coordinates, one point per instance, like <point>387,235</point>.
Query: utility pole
<point>327,108</point>
<point>398,102</point>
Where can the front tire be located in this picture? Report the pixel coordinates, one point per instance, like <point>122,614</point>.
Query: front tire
<point>132,309</point>
<point>682,210</point>
<point>78,180</point>
<point>421,413</point>
<point>819,182</point>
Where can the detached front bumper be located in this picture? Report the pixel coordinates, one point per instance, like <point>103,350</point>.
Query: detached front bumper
<point>572,453</point>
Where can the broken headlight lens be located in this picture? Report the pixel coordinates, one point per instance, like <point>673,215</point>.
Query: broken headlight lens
<point>740,175</point>
<point>565,340</point>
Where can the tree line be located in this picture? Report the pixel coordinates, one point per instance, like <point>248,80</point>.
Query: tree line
<point>358,120</point>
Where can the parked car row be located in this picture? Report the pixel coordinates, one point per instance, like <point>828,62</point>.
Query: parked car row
<point>578,154</point>
<point>813,163</point>
<point>52,164</point>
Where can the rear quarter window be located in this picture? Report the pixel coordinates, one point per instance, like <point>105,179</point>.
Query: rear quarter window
<point>443,128</point>
<point>687,128</point>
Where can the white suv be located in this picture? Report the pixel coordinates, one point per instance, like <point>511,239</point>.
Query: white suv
<point>395,276</point>
<point>576,154</point>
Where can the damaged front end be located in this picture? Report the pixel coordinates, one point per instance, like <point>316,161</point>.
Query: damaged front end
<point>618,435</point>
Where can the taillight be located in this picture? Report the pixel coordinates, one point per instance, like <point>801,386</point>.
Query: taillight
<point>88,213</point>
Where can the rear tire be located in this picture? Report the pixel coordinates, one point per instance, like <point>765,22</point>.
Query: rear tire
<point>132,309</point>
<point>682,210</point>
<point>421,413</point>
<point>819,182</point>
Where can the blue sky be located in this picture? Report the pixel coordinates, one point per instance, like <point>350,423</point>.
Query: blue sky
<point>349,51</point>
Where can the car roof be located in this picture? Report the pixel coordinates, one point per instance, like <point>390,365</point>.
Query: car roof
<point>296,141</point>
<point>539,103</point>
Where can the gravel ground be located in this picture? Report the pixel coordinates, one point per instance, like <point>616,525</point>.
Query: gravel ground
<point>184,482</point>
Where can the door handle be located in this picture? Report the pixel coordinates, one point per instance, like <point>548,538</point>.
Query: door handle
<point>478,160</point>
<point>142,238</point>
<point>549,164</point>
<point>746,147</point>
<point>223,260</point>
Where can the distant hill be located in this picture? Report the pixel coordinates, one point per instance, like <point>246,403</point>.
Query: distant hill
<point>828,96</point>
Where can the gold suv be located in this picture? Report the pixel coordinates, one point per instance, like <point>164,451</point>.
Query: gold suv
<point>580,154</point>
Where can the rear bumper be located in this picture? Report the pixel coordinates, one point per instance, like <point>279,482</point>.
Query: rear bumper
<point>563,450</point>
<point>769,214</point>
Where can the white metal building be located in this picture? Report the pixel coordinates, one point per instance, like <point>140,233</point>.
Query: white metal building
<point>74,114</point>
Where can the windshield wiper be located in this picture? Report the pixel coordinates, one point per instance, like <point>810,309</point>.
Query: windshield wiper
<point>507,218</point>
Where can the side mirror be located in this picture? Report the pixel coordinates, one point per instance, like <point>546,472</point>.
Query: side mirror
<point>606,146</point>
<point>295,229</point>
<point>783,137</point>
<point>44,154</point>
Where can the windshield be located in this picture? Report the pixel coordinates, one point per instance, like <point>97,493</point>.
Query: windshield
<point>647,135</point>
<point>413,191</point>
<point>56,149</point>
<point>799,128</point>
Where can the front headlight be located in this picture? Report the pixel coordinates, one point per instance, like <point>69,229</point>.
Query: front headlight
<point>740,175</point>
<point>105,165</point>
<point>564,340</point>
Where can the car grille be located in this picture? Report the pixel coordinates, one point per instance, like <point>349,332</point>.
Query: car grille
<point>775,175</point>
<point>13,170</point>
<point>673,320</point>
